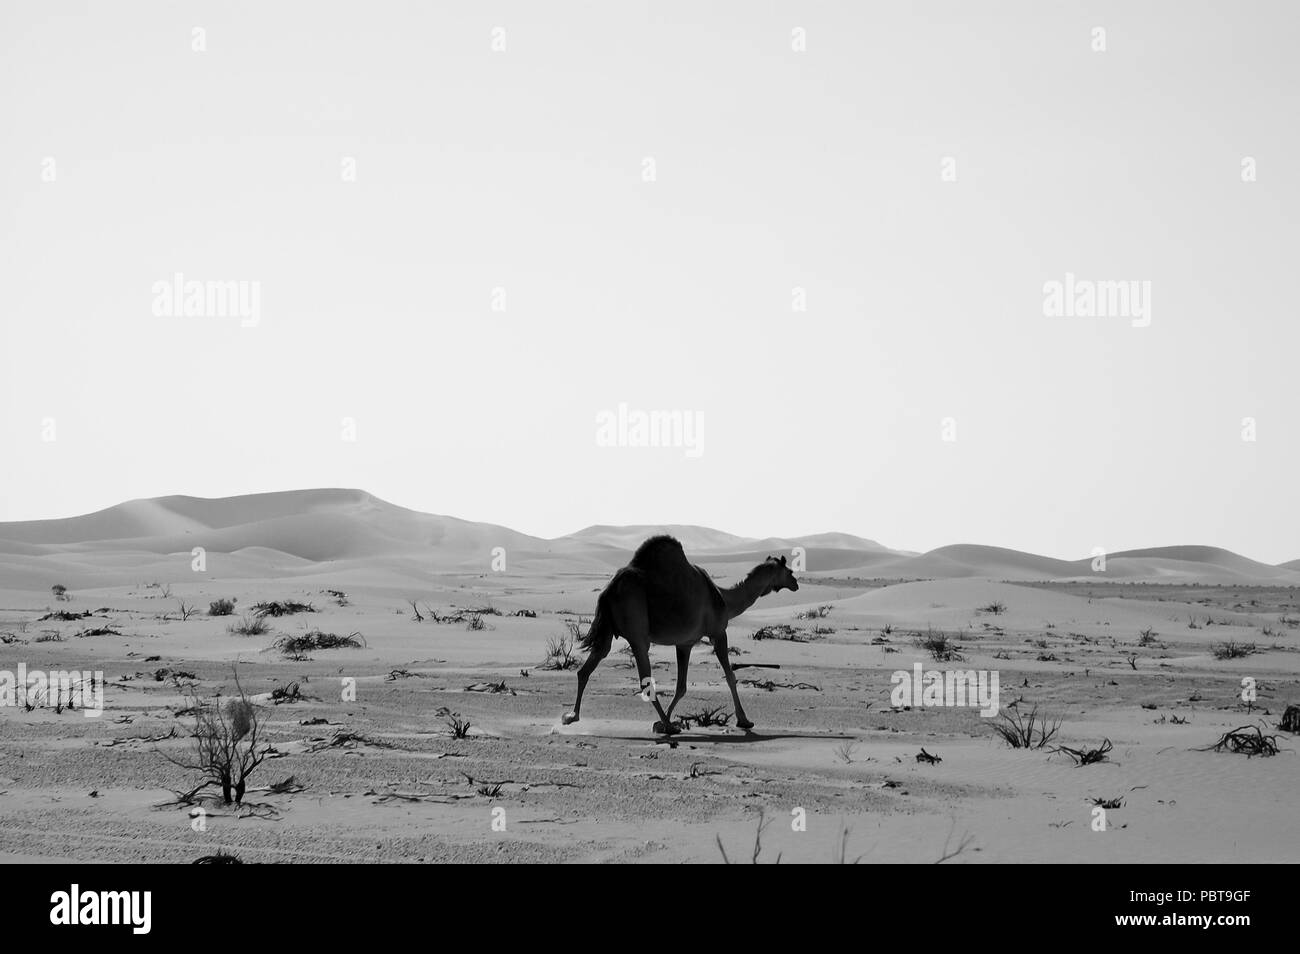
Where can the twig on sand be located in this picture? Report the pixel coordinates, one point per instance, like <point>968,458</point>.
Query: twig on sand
<point>962,845</point>
<point>1087,756</point>
<point>345,739</point>
<point>169,734</point>
<point>767,685</point>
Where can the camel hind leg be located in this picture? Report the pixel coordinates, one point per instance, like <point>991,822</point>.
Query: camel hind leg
<point>649,692</point>
<point>599,650</point>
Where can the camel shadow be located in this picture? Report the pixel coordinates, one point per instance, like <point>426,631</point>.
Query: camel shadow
<point>729,739</point>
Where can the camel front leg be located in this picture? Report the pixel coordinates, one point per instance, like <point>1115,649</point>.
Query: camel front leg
<point>720,650</point>
<point>683,666</point>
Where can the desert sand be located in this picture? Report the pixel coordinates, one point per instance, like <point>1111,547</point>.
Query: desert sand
<point>830,771</point>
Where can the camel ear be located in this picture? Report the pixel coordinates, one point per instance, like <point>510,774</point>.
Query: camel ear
<point>783,561</point>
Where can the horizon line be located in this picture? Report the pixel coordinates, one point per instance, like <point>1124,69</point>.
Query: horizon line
<point>651,524</point>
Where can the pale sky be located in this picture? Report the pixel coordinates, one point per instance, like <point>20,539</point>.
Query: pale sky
<point>523,169</point>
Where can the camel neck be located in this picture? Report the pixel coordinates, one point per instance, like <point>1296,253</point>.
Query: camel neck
<point>743,595</point>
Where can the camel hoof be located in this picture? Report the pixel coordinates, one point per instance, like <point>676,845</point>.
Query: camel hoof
<point>746,725</point>
<point>662,729</point>
<point>569,718</point>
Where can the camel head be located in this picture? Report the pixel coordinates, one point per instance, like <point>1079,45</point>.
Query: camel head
<point>780,576</point>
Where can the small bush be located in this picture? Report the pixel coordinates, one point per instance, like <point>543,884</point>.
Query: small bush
<point>560,654</point>
<point>60,591</point>
<point>783,632</point>
<point>996,608</point>
<point>290,693</point>
<point>315,639</point>
<point>221,607</point>
<point>938,644</point>
<point>819,612</point>
<point>1233,650</point>
<point>459,727</point>
<point>715,715</point>
<point>249,626</point>
<point>282,608</point>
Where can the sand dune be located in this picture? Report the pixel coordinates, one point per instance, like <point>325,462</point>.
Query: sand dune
<point>692,537</point>
<point>274,533</point>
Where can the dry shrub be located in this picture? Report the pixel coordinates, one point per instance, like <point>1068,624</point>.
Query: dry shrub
<point>1026,732</point>
<point>226,746</point>
<point>1246,740</point>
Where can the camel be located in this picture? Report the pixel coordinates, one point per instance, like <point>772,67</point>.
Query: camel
<point>662,598</point>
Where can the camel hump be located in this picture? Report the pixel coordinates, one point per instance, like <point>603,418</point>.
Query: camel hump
<point>663,553</point>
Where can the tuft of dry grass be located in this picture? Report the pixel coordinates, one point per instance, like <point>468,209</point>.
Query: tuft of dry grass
<point>249,626</point>
<point>1026,732</point>
<point>1233,650</point>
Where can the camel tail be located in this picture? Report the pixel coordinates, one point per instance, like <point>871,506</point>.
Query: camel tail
<point>601,630</point>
